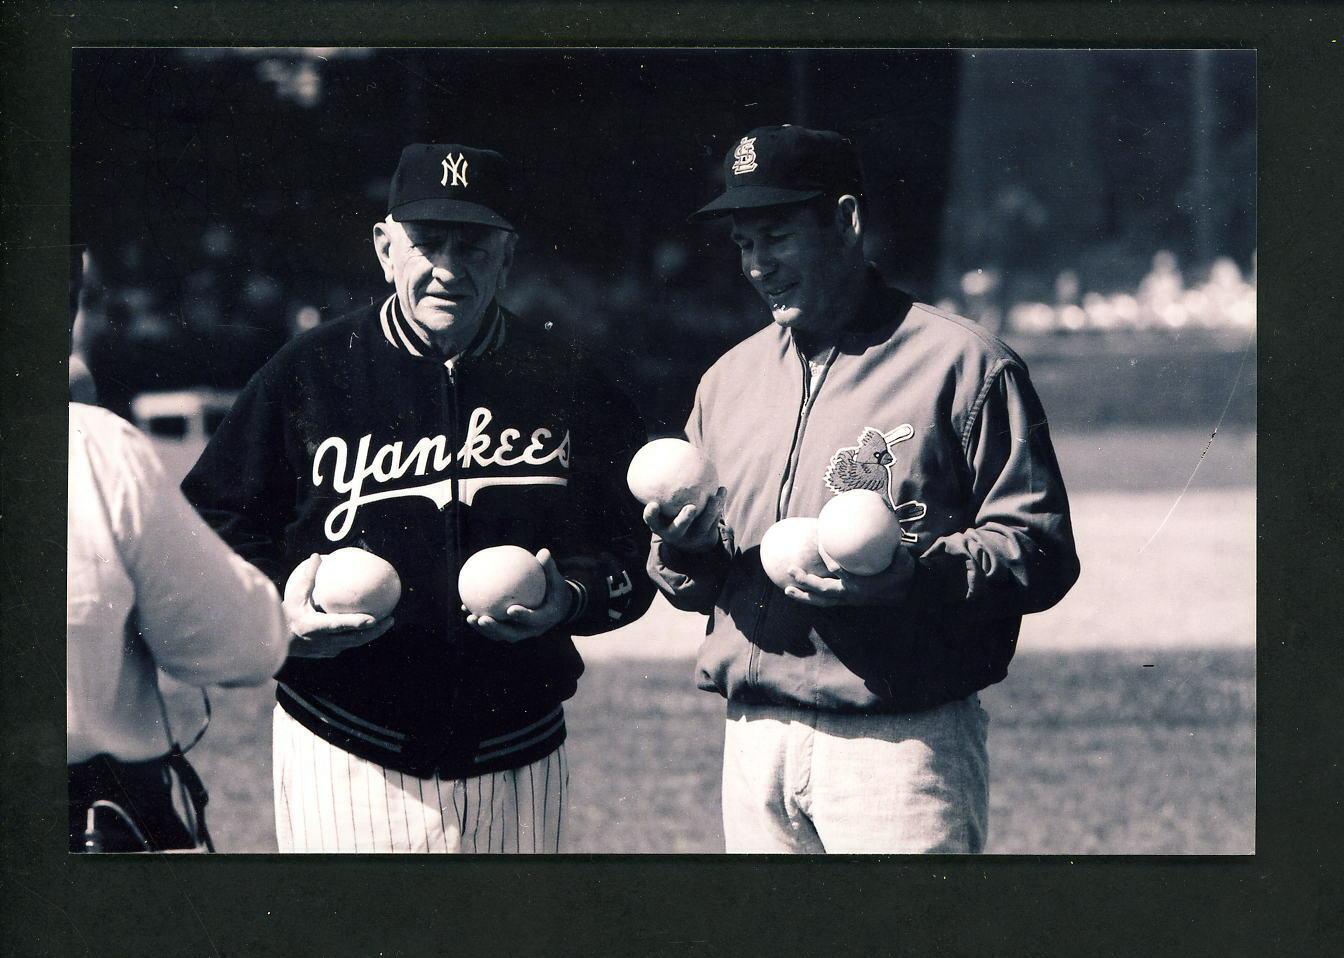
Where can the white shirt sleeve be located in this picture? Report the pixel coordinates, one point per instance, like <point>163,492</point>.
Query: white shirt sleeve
<point>207,615</point>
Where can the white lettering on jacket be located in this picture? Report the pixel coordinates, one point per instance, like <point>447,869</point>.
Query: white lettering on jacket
<point>431,456</point>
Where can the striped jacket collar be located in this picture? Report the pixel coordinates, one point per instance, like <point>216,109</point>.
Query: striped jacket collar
<point>398,331</point>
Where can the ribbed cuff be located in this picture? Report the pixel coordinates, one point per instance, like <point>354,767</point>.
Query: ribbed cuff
<point>578,604</point>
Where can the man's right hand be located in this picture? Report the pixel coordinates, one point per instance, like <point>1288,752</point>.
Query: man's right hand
<point>318,634</point>
<point>691,530</point>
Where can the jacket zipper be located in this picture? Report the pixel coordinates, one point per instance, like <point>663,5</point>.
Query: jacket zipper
<point>811,386</point>
<point>448,397</point>
<point>452,524</point>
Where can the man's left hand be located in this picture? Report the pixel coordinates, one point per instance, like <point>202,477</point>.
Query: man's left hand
<point>519,622</point>
<point>888,587</point>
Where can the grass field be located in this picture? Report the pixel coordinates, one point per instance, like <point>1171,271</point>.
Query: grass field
<point>1090,753</point>
<point>1126,725</point>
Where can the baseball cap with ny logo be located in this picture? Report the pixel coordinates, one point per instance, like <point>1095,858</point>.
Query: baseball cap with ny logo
<point>452,183</point>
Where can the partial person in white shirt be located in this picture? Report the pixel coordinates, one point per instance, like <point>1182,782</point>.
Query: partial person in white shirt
<point>149,587</point>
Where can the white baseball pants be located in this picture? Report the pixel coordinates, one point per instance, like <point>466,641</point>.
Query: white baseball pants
<point>327,800</point>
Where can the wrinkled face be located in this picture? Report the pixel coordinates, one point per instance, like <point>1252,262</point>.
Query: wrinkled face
<point>797,259</point>
<point>445,274</point>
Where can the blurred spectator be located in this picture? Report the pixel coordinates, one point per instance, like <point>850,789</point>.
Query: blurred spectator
<point>1160,293</point>
<point>1161,302</point>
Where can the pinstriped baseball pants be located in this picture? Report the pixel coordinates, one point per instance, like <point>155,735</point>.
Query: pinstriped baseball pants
<point>327,800</point>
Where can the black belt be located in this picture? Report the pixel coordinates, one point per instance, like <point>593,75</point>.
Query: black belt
<point>118,806</point>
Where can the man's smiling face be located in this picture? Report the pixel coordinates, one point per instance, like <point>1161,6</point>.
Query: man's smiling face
<point>796,258</point>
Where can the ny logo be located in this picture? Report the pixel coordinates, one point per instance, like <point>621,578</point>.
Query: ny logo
<point>457,166</point>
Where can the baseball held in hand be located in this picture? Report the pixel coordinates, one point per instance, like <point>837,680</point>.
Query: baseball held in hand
<point>353,580</point>
<point>858,532</point>
<point>792,544</point>
<point>496,578</point>
<point>672,473</point>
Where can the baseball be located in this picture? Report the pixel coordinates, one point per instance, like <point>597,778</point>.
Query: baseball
<point>672,473</point>
<point>858,532</point>
<point>791,544</point>
<point>496,578</point>
<point>353,580</point>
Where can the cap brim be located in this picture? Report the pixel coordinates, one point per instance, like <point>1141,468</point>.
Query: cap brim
<point>450,211</point>
<point>752,197</point>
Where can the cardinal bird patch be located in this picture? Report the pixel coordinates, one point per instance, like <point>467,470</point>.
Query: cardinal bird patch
<point>868,466</point>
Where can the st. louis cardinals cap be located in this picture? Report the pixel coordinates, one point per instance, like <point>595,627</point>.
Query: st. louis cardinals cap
<point>773,165</point>
<point>454,184</point>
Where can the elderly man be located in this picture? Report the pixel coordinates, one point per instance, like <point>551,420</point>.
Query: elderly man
<point>424,429</point>
<point>853,719</point>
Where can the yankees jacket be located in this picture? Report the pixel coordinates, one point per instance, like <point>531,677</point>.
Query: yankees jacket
<point>938,416</point>
<point>352,436</point>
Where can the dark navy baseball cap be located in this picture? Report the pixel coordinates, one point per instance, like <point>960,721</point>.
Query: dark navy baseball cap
<point>774,165</point>
<point>452,183</point>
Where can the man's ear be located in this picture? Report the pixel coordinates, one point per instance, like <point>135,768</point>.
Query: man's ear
<point>849,219</point>
<point>510,241</point>
<point>382,245</point>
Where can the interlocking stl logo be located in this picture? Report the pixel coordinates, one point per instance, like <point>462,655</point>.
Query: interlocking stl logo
<point>457,167</point>
<point>744,157</point>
